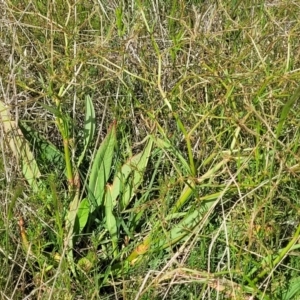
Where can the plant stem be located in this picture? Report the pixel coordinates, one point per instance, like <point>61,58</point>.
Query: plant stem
<point>68,164</point>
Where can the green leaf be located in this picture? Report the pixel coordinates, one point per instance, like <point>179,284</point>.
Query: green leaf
<point>89,126</point>
<point>47,153</point>
<point>71,229</point>
<point>101,167</point>
<point>83,213</point>
<point>293,289</point>
<point>119,21</point>
<point>181,230</point>
<point>127,181</point>
<point>52,109</point>
<point>111,222</point>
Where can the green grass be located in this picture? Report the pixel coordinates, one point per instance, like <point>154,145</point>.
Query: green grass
<point>149,150</point>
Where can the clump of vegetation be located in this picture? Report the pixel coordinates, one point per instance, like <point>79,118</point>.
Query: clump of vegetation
<point>149,150</point>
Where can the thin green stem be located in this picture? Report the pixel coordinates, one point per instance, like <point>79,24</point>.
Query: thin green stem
<point>69,168</point>
<point>188,144</point>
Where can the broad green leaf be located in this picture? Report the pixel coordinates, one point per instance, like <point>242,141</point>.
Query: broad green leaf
<point>181,230</point>
<point>111,222</point>
<point>20,148</point>
<point>70,226</point>
<point>127,181</point>
<point>89,126</point>
<point>159,240</point>
<point>101,167</point>
<point>120,180</point>
<point>83,213</point>
<point>47,153</point>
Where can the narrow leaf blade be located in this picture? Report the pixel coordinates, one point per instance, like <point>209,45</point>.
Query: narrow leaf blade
<point>89,126</point>
<point>139,164</point>
<point>111,222</point>
<point>83,213</point>
<point>101,167</point>
<point>127,181</point>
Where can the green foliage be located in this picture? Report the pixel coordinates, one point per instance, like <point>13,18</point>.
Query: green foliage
<point>89,127</point>
<point>111,222</point>
<point>101,169</point>
<point>292,290</point>
<point>45,152</point>
<point>130,177</point>
<point>177,178</point>
<point>83,213</point>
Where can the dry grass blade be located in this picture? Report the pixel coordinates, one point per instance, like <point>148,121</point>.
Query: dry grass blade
<point>178,276</point>
<point>19,148</point>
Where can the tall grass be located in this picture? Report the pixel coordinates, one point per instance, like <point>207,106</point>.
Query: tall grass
<point>149,150</point>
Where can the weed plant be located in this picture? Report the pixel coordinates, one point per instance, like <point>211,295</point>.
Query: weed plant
<point>149,149</point>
